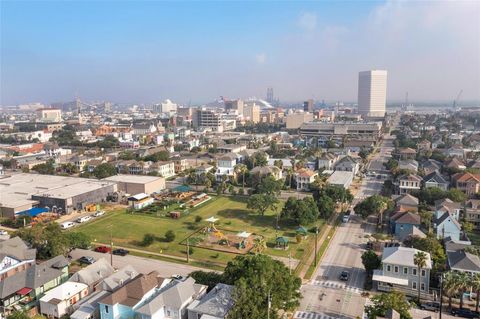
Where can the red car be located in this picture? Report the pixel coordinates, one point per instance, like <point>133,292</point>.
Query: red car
<point>102,249</point>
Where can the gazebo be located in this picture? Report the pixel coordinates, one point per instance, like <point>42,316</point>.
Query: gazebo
<point>211,224</point>
<point>282,242</point>
<point>301,231</point>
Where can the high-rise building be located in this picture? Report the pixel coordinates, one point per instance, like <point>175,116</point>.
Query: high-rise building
<point>251,112</point>
<point>166,106</point>
<point>49,115</point>
<point>207,119</point>
<point>270,95</point>
<point>372,93</point>
<point>234,105</point>
<point>308,105</point>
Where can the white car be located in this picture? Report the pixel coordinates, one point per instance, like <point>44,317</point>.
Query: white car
<point>3,232</point>
<point>99,213</point>
<point>67,225</point>
<point>83,219</point>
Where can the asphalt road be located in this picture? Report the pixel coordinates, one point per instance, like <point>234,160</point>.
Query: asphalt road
<point>326,296</point>
<point>141,264</point>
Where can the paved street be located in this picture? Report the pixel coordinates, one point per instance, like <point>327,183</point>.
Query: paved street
<point>326,296</point>
<point>141,264</point>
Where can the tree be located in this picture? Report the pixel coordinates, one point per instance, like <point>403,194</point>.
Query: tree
<point>373,205</point>
<point>241,169</point>
<point>259,245</point>
<point>48,239</point>
<point>371,261</point>
<point>463,283</point>
<point>148,239</point>
<point>326,206</point>
<point>278,163</point>
<point>262,202</point>
<point>431,245</point>
<point>256,278</point>
<point>47,168</point>
<point>476,288</point>
<point>457,195</point>
<point>467,227</point>
<point>208,278</point>
<point>78,240</point>
<point>170,235</point>
<point>269,185</point>
<point>420,260</point>
<point>161,156</point>
<point>301,211</point>
<point>18,315</point>
<point>104,170</point>
<point>382,302</point>
<point>450,284</point>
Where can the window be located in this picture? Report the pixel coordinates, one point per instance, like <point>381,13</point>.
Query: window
<point>414,271</point>
<point>396,269</point>
<point>422,286</point>
<point>414,284</point>
<point>424,273</point>
<point>389,268</point>
<point>106,308</point>
<point>405,270</point>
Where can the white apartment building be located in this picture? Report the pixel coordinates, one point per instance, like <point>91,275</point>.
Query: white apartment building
<point>49,115</point>
<point>251,112</point>
<point>372,93</point>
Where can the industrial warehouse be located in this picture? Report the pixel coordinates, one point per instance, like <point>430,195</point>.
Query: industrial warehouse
<point>19,193</point>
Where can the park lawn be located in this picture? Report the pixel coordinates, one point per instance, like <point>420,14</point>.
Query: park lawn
<point>128,229</point>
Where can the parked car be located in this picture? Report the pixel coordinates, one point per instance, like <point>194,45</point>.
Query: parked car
<point>99,213</point>
<point>120,252</point>
<point>431,305</point>
<point>102,249</point>
<point>369,245</point>
<point>86,260</point>
<point>3,232</point>
<point>66,225</point>
<point>346,218</point>
<point>83,219</point>
<point>465,313</point>
<point>344,275</point>
<point>178,277</point>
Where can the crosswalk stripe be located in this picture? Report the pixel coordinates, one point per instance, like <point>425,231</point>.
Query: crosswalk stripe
<point>311,315</point>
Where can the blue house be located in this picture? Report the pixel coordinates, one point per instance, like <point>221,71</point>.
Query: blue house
<point>404,223</point>
<point>447,226</point>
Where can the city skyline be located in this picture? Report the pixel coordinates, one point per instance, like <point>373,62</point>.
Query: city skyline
<point>145,52</point>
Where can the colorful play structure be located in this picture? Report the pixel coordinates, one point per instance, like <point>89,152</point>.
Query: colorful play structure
<point>211,229</point>
<point>244,237</point>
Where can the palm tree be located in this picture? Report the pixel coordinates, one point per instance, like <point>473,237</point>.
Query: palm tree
<point>241,169</point>
<point>290,176</point>
<point>476,286</point>
<point>463,283</point>
<point>259,245</point>
<point>420,260</point>
<point>450,286</point>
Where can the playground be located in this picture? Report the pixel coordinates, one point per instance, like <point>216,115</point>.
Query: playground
<point>217,245</point>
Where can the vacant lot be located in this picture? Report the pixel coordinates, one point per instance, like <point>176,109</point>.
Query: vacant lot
<point>128,229</point>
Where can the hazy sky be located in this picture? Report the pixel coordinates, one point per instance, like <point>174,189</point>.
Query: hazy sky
<point>195,50</point>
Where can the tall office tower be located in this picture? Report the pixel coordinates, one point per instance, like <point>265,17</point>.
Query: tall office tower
<point>308,105</point>
<point>270,95</point>
<point>251,112</point>
<point>372,93</point>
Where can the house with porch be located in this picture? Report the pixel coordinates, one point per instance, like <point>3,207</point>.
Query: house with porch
<point>400,273</point>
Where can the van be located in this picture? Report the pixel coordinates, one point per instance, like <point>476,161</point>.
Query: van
<point>67,225</point>
<point>83,219</point>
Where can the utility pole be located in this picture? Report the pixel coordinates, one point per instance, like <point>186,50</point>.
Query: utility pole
<point>188,251</point>
<point>111,246</point>
<point>290,262</point>
<point>316,239</point>
<point>269,305</point>
<point>441,296</point>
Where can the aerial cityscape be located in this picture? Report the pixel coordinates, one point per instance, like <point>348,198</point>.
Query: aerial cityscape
<point>239,159</point>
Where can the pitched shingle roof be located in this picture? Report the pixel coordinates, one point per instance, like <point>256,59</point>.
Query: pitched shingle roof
<point>407,199</point>
<point>463,261</point>
<point>435,177</point>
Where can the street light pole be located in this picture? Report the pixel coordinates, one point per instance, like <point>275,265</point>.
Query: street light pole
<point>188,251</point>
<point>316,239</point>
<point>441,296</point>
<point>111,246</point>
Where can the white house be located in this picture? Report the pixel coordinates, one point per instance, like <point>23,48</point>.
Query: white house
<point>59,301</point>
<point>226,166</point>
<point>303,178</point>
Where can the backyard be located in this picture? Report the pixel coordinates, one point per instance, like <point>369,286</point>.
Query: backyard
<point>128,230</point>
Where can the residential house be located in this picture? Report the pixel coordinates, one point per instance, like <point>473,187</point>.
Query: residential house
<point>406,184</point>
<point>463,261</point>
<point>400,273</point>
<point>303,178</point>
<point>144,128</point>
<point>181,164</point>
<point>259,172</point>
<point>15,257</point>
<point>447,205</point>
<point>203,169</point>
<point>59,301</point>
<point>226,166</point>
<point>172,301</point>
<point>406,203</point>
<point>446,225</point>
<point>467,182</point>
<point>407,153</point>
<point>93,274</point>
<point>409,164</point>
<point>455,163</point>
<point>404,224</point>
<point>347,164</point>
<point>164,169</point>
<point>22,290</point>
<point>472,212</point>
<point>435,179</point>
<point>430,166</point>
<point>456,151</point>
<point>327,161</point>
<point>215,304</point>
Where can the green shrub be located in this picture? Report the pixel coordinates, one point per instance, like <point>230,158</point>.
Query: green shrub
<point>169,236</point>
<point>198,219</point>
<point>148,239</point>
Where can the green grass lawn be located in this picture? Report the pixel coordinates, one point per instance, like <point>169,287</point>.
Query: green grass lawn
<point>128,229</point>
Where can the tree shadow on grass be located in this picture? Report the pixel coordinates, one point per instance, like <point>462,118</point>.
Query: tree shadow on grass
<point>248,217</point>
